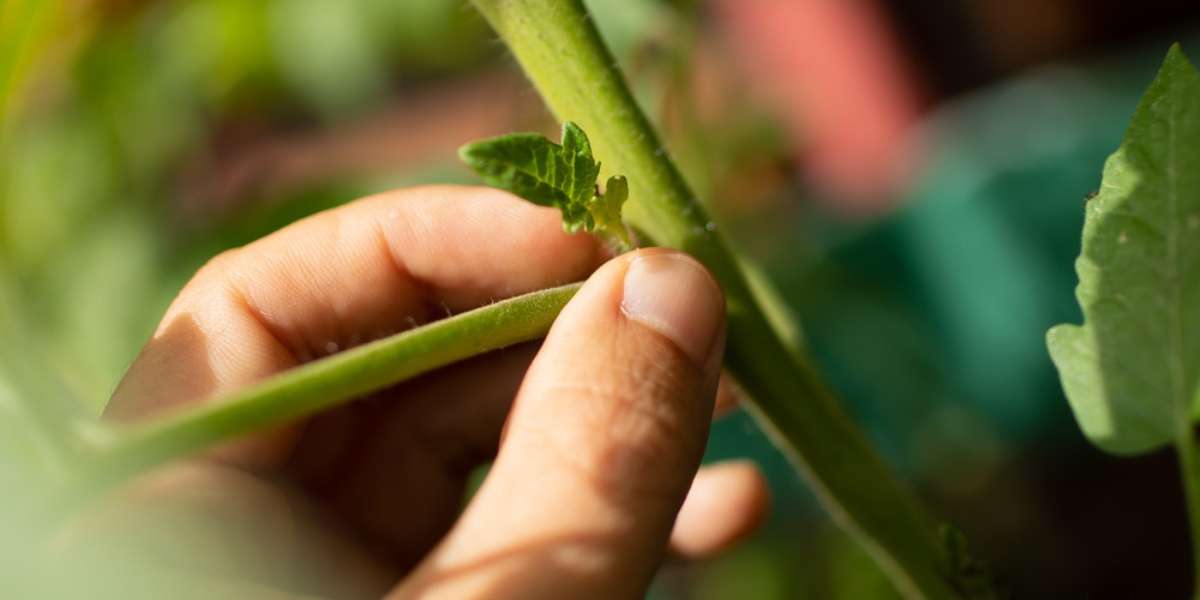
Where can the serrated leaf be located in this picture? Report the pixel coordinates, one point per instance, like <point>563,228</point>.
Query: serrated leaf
<point>559,175</point>
<point>1131,371</point>
<point>540,171</point>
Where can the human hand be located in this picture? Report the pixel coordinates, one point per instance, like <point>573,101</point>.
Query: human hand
<point>596,453</point>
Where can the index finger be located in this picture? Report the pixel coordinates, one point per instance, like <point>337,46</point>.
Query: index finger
<point>345,276</point>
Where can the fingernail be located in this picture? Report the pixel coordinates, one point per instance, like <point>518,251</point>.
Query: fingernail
<point>673,295</point>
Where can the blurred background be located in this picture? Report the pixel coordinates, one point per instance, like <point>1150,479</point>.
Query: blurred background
<point>911,173</point>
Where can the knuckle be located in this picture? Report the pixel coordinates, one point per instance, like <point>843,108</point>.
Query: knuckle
<point>217,267</point>
<point>214,279</point>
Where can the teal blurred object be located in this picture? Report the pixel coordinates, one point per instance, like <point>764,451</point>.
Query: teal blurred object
<point>979,263</point>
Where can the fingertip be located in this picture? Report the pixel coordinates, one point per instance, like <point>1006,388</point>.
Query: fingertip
<point>674,295</point>
<point>606,433</point>
<point>726,504</point>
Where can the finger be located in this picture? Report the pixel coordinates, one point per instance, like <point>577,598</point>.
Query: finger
<point>729,396</point>
<point>344,276</point>
<point>395,466</point>
<point>452,417</point>
<point>727,503</point>
<point>422,450</point>
<point>602,443</point>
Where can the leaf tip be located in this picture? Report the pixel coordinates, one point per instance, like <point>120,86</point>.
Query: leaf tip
<point>1058,339</point>
<point>465,153</point>
<point>1176,53</point>
<point>1177,61</point>
<point>574,140</point>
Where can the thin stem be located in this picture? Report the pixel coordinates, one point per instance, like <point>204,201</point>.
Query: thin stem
<point>1189,467</point>
<point>118,453</point>
<point>562,53</point>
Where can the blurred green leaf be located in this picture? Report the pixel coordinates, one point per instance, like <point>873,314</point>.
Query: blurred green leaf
<point>428,35</point>
<point>1132,369</point>
<point>42,209</point>
<point>106,292</point>
<point>27,27</point>
<point>36,412</point>
<point>629,24</point>
<point>215,47</point>
<point>325,51</point>
<point>26,452</point>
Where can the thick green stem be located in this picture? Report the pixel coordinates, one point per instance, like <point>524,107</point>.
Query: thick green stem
<point>113,453</point>
<point>562,53</point>
<point>1189,467</point>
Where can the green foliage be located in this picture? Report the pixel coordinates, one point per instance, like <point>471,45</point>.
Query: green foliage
<point>1131,370</point>
<point>558,175</point>
<point>345,54</point>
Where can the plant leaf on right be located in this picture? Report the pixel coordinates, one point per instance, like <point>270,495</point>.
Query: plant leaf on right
<point>1131,371</point>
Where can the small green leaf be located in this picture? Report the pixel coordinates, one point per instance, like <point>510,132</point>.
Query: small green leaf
<point>606,210</point>
<point>548,174</point>
<point>1131,372</point>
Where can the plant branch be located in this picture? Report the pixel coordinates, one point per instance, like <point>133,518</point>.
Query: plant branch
<point>116,453</point>
<point>1189,467</point>
<point>562,53</point>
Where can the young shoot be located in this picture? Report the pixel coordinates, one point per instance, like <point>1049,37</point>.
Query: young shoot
<point>559,175</point>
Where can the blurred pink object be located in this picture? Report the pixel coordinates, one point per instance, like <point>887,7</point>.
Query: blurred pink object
<point>833,73</point>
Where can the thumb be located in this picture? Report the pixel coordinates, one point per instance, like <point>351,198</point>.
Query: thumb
<point>602,444</point>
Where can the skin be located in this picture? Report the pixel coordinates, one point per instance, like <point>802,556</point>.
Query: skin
<point>596,433</point>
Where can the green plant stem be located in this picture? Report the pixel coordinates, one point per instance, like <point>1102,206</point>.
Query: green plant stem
<point>1189,467</point>
<point>112,454</point>
<point>562,53</point>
